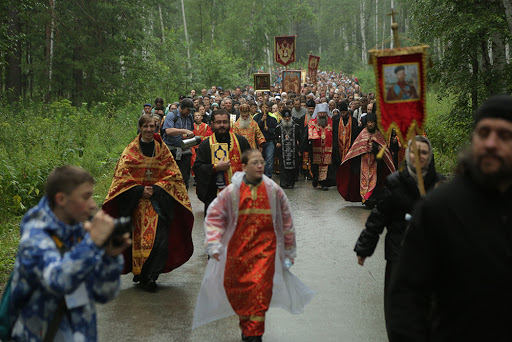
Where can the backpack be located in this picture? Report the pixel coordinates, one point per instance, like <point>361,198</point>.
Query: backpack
<point>7,319</point>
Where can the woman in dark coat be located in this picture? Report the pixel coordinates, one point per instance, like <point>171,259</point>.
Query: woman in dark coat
<point>399,196</point>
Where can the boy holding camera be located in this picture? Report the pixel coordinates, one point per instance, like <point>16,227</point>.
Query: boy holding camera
<point>64,265</point>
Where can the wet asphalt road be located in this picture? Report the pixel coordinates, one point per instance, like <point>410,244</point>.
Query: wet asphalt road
<point>348,305</point>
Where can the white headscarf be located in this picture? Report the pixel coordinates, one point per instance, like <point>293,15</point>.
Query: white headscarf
<point>321,108</point>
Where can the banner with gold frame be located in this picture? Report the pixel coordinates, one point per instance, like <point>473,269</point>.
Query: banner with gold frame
<point>262,82</point>
<point>284,50</point>
<point>400,76</point>
<point>292,81</point>
<point>313,67</point>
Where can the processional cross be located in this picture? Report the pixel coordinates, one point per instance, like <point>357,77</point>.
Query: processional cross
<point>394,27</point>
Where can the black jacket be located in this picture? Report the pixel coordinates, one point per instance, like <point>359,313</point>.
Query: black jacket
<point>270,132</point>
<point>459,250</point>
<point>398,198</point>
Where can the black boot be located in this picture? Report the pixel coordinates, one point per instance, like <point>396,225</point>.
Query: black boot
<point>254,339</point>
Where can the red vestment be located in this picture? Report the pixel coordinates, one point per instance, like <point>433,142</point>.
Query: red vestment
<point>305,155</point>
<point>322,145</point>
<point>250,261</point>
<point>356,187</point>
<point>134,168</point>
<point>203,131</point>
<point>253,134</point>
<point>344,137</point>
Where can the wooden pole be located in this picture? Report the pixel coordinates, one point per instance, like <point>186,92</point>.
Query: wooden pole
<point>421,184</point>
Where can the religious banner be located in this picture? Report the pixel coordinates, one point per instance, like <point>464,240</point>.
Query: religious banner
<point>313,67</point>
<point>284,50</point>
<point>400,75</point>
<point>303,75</point>
<point>291,81</point>
<point>262,82</point>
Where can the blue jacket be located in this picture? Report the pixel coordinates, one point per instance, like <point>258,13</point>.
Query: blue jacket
<point>42,277</point>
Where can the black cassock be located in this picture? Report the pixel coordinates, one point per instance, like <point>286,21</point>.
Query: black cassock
<point>290,139</point>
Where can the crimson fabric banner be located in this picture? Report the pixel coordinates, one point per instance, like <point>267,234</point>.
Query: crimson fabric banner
<point>313,67</point>
<point>400,75</point>
<point>284,49</point>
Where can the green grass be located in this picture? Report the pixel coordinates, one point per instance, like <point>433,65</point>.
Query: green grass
<point>9,238</point>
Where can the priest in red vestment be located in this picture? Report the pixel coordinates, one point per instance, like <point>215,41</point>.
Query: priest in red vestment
<point>148,187</point>
<point>345,131</point>
<point>361,174</point>
<point>251,239</point>
<point>248,128</point>
<point>321,138</point>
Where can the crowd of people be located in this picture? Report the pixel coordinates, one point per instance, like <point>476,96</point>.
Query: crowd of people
<point>306,134</point>
<point>443,262</point>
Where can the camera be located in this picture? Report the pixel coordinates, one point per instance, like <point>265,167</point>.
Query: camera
<point>122,225</point>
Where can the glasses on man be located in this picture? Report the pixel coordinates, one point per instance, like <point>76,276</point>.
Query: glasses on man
<point>257,162</point>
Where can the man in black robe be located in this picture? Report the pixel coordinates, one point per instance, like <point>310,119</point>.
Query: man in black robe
<point>304,141</point>
<point>288,135</point>
<point>213,176</point>
<point>458,248</point>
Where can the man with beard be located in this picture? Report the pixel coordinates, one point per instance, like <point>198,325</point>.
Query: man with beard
<point>361,175</point>
<point>303,124</point>
<point>218,158</point>
<point>401,90</point>
<point>344,131</point>
<point>248,128</point>
<point>457,249</point>
<point>288,150</point>
<point>320,136</point>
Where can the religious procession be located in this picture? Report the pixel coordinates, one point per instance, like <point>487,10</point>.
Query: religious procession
<point>230,202</point>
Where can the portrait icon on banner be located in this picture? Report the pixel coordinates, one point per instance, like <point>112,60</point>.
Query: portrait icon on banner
<point>292,81</point>
<point>401,82</point>
<point>262,82</point>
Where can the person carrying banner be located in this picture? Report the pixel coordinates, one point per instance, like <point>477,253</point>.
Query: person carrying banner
<point>361,175</point>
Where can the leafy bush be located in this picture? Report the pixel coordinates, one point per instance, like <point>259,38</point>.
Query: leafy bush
<point>449,134</point>
<point>45,136</point>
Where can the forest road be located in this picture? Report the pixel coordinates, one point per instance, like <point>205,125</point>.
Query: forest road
<point>348,305</point>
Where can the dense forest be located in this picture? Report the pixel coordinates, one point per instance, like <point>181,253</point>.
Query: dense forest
<point>123,51</point>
